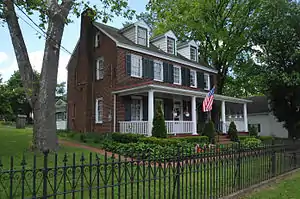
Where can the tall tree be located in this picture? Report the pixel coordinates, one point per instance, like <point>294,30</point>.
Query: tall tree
<point>223,28</point>
<point>61,91</point>
<point>53,15</point>
<point>279,40</point>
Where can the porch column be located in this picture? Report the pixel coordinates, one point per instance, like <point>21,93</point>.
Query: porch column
<point>245,117</point>
<point>194,115</point>
<point>150,111</point>
<point>223,112</point>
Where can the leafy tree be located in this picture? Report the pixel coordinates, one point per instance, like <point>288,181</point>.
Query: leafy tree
<point>61,91</point>
<point>159,129</point>
<point>279,40</point>
<point>5,107</point>
<point>223,28</point>
<point>232,132</point>
<point>53,16</point>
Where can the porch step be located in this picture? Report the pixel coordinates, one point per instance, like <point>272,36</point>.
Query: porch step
<point>223,139</point>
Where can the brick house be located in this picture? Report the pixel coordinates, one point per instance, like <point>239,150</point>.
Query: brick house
<point>117,77</point>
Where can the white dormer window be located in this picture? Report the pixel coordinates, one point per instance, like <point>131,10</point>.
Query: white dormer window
<point>170,45</point>
<point>142,36</point>
<point>193,53</point>
<point>97,39</point>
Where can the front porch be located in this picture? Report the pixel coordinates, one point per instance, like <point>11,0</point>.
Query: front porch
<point>182,109</point>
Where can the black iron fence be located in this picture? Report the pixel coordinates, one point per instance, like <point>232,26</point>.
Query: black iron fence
<point>212,173</point>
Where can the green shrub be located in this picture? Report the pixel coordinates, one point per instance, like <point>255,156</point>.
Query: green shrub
<point>232,132</point>
<point>126,137</point>
<point>194,139</point>
<point>83,137</point>
<point>209,131</point>
<point>161,141</point>
<point>252,131</point>
<point>243,137</point>
<point>159,129</point>
<point>251,143</point>
<point>266,138</point>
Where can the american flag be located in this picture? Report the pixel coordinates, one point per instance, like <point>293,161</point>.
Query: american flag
<point>208,101</point>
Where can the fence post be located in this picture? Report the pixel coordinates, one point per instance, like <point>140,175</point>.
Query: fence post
<point>45,174</point>
<point>273,159</point>
<point>239,165</point>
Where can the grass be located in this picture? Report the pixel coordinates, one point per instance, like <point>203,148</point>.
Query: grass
<point>287,188</point>
<point>121,178</point>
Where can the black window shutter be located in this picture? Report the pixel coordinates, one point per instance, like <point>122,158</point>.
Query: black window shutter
<point>212,81</point>
<point>168,109</point>
<point>200,80</point>
<point>171,74</point>
<point>151,69</point>
<point>145,108</point>
<point>166,73</point>
<point>127,105</point>
<point>188,77</point>
<point>128,64</point>
<point>183,76</point>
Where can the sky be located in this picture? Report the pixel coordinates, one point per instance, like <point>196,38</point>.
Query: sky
<point>35,46</point>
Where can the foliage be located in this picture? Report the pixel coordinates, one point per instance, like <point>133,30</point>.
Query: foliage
<point>194,139</point>
<point>159,129</point>
<point>266,138</point>
<point>222,27</point>
<point>250,143</point>
<point>126,137</point>
<point>232,132</point>
<point>5,105</point>
<point>61,91</point>
<point>252,131</point>
<point>161,141</point>
<point>279,58</point>
<point>209,131</point>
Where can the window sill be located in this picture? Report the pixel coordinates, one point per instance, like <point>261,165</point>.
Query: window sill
<point>136,76</point>
<point>176,83</point>
<point>159,80</point>
<point>193,86</point>
<point>99,122</point>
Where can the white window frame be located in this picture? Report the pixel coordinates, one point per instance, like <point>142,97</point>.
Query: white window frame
<point>97,39</point>
<point>173,46</point>
<point>179,81</point>
<point>99,69</point>
<point>97,111</point>
<point>194,48</point>
<point>133,58</point>
<point>208,81</point>
<point>141,108</point>
<point>161,70</point>
<point>195,75</point>
<point>146,42</point>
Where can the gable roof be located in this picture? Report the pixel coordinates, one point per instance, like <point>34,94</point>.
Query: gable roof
<point>116,36</point>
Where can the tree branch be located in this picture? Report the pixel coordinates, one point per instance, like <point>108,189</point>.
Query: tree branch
<point>28,77</point>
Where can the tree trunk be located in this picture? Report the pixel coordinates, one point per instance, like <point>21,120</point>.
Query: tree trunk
<point>41,95</point>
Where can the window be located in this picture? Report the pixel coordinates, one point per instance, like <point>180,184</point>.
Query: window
<point>142,36</point>
<point>193,53</point>
<point>99,68</point>
<point>158,71</point>
<point>257,126</point>
<point>136,66</point>
<point>99,110</point>
<point>60,116</point>
<point>97,39</point>
<point>170,45</point>
<point>206,81</point>
<point>177,75</point>
<point>136,109</point>
<point>193,76</point>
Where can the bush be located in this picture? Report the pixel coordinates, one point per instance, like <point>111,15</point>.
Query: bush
<point>251,143</point>
<point>126,137</point>
<point>209,131</point>
<point>194,139</point>
<point>161,141</point>
<point>159,129</point>
<point>252,131</point>
<point>265,138</point>
<point>232,132</point>
<point>83,137</point>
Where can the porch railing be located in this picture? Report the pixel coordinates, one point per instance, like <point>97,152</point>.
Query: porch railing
<point>136,127</point>
<point>179,127</point>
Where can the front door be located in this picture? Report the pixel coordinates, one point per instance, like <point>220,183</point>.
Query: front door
<point>177,117</point>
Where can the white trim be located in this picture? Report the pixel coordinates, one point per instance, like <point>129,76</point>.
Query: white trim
<point>208,81</point>
<point>180,80</point>
<point>195,72</point>
<point>96,44</point>
<point>98,69</point>
<point>134,56</point>
<point>96,109</point>
<point>161,70</point>
<point>179,91</point>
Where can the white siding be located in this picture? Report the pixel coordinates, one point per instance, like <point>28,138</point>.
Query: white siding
<point>161,44</point>
<point>185,52</point>
<point>61,125</point>
<point>130,34</point>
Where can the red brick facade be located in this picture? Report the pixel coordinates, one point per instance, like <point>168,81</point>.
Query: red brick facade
<point>83,89</point>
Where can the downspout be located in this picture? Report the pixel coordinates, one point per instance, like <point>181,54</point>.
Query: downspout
<point>115,116</point>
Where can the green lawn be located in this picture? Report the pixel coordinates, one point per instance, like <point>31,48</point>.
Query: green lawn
<point>284,189</point>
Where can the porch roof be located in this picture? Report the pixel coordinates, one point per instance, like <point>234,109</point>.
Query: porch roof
<point>176,91</point>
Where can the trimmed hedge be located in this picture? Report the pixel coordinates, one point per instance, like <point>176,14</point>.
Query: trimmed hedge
<point>126,137</point>
<point>160,141</point>
<point>194,139</point>
<point>265,138</point>
<point>251,143</point>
